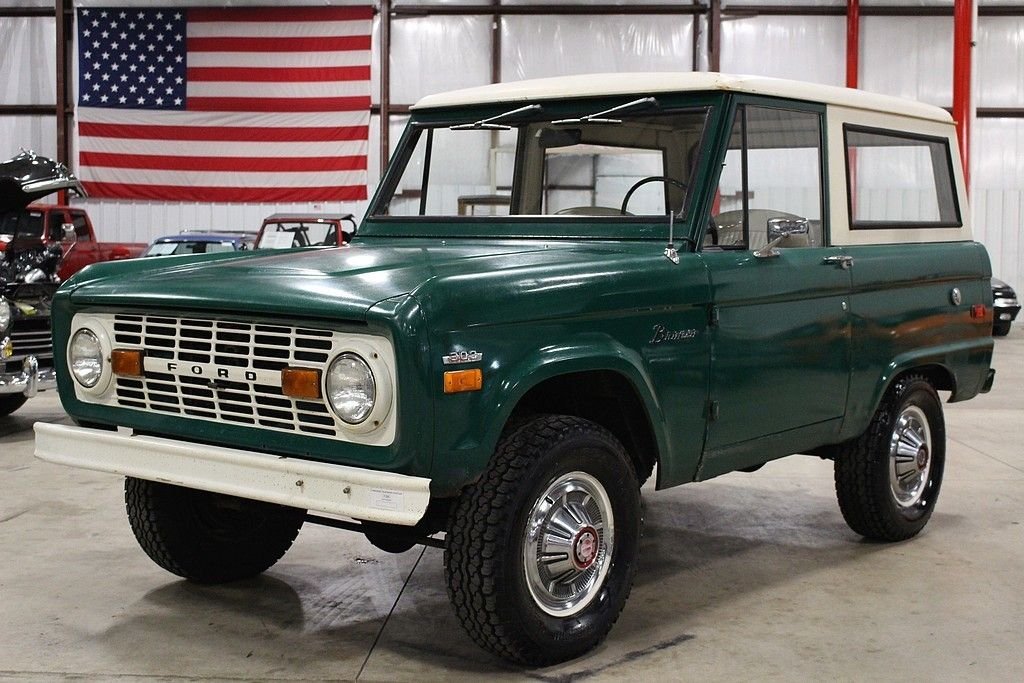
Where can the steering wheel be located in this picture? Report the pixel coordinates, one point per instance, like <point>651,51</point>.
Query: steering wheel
<point>643,181</point>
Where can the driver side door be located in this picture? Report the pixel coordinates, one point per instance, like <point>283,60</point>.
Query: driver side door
<point>780,332</point>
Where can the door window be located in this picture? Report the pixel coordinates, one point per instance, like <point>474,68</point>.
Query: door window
<point>81,227</point>
<point>770,187</point>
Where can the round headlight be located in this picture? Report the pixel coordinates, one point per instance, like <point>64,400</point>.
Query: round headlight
<point>351,389</point>
<point>86,357</point>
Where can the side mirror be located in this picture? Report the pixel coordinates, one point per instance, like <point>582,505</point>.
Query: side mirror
<point>68,234</point>
<point>787,227</point>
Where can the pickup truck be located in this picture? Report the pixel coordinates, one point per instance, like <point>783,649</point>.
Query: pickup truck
<point>689,274</point>
<point>52,224</point>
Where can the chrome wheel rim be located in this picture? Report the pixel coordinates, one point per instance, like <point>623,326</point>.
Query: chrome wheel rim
<point>570,535</point>
<point>910,457</point>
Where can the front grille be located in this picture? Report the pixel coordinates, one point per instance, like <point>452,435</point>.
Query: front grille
<point>31,337</point>
<point>251,355</point>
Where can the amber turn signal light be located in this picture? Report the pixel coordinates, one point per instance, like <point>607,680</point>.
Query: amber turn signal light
<point>126,362</point>
<point>458,381</point>
<point>300,382</point>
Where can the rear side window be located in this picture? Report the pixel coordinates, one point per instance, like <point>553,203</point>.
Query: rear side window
<point>899,180</point>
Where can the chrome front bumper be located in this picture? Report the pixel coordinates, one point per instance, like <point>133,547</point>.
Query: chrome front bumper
<point>30,381</point>
<point>315,486</point>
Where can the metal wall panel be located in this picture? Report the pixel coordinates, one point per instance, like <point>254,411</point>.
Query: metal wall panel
<point>908,57</point>
<point>539,46</point>
<point>803,48</point>
<point>998,199</point>
<point>28,73</point>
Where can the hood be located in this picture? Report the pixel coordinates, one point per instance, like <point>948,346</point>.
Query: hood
<point>28,177</point>
<point>329,283</point>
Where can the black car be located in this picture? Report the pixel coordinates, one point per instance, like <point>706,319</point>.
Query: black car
<point>1005,306</point>
<point>28,280</point>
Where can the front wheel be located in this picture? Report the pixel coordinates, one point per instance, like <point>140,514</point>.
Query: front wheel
<point>208,537</point>
<point>541,551</point>
<point>1000,329</point>
<point>888,479</point>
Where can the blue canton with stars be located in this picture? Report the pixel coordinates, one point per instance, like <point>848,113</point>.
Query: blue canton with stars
<point>131,58</point>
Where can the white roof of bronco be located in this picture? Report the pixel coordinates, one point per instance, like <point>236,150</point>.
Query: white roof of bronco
<point>596,85</point>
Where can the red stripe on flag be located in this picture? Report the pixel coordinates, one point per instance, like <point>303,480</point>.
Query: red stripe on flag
<point>226,194</point>
<point>239,74</point>
<point>278,104</point>
<point>223,133</point>
<point>238,164</point>
<point>316,44</point>
<point>276,14</point>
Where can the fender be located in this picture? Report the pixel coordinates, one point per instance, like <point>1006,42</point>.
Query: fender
<point>973,354</point>
<point>502,393</point>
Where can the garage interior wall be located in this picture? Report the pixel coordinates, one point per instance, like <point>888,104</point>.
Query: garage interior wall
<point>436,46</point>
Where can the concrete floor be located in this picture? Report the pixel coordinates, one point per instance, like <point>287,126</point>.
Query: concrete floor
<point>750,576</point>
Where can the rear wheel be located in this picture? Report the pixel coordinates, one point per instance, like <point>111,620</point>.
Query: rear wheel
<point>541,551</point>
<point>888,479</point>
<point>208,537</point>
<point>11,402</point>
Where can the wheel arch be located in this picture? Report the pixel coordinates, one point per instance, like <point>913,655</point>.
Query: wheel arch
<point>607,390</point>
<point>935,370</point>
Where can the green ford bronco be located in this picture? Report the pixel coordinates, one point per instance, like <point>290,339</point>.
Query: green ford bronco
<point>561,287</point>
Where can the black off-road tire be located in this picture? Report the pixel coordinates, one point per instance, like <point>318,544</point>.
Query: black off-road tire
<point>864,480</point>
<point>1000,329</point>
<point>487,550</point>
<point>208,537</point>
<point>10,403</point>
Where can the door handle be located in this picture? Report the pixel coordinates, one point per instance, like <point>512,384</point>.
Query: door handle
<point>844,262</point>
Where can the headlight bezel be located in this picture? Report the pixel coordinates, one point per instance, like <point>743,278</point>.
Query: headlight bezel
<point>103,342</point>
<point>377,415</point>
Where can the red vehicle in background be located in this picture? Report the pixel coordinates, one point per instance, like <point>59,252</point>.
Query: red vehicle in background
<point>45,224</point>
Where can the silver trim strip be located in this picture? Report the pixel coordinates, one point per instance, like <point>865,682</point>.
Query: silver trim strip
<point>315,486</point>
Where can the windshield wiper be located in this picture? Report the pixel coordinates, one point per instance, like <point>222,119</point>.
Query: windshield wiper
<point>601,116</point>
<point>491,123</point>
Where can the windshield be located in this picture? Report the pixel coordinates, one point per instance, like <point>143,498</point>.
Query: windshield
<point>187,247</point>
<point>636,164</point>
<point>21,223</point>
<point>289,234</point>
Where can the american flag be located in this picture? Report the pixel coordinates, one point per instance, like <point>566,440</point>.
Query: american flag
<point>248,104</point>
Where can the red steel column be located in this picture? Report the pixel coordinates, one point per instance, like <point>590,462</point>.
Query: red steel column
<point>852,43</point>
<point>963,43</point>
<point>385,84</point>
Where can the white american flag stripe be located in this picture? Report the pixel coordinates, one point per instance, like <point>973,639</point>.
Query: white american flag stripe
<point>224,119</point>
<point>250,29</point>
<point>280,59</point>
<point>278,90</point>
<point>184,148</point>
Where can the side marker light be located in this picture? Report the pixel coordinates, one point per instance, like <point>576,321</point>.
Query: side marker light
<point>458,381</point>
